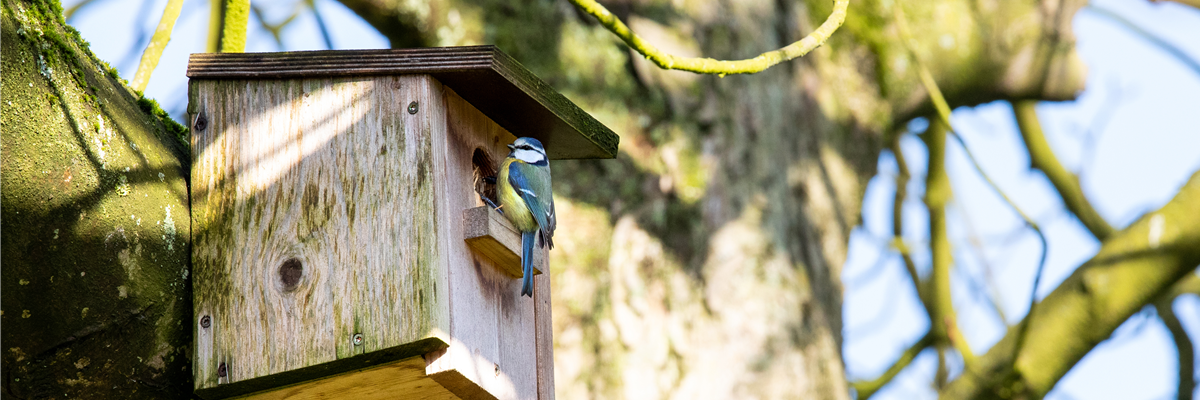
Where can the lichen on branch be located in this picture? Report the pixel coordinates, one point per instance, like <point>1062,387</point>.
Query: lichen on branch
<point>703,65</point>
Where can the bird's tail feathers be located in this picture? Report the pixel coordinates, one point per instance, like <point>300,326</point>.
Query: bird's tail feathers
<point>527,242</point>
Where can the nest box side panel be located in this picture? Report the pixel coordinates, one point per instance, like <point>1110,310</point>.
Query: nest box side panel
<point>315,221</point>
<point>491,324</point>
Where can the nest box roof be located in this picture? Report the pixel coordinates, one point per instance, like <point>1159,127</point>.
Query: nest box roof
<point>490,80</point>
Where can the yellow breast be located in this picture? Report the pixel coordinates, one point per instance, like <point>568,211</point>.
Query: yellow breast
<point>511,203</point>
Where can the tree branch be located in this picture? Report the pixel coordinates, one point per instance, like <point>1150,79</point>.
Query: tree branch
<point>158,42</point>
<point>1183,344</point>
<point>866,389</point>
<point>942,317</point>
<point>1193,3</point>
<point>227,26</point>
<point>708,65</point>
<point>324,28</point>
<point>1133,267</point>
<point>1166,46</point>
<point>1042,157</point>
<point>902,178</point>
<point>943,111</point>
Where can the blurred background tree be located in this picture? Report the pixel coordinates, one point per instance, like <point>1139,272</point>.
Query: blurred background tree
<point>749,241</point>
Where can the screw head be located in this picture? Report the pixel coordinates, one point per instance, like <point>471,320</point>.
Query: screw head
<point>412,107</point>
<point>357,340</point>
<point>201,122</point>
<point>222,370</point>
<point>205,321</point>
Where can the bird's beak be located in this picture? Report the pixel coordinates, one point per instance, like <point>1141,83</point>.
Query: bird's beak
<point>510,147</point>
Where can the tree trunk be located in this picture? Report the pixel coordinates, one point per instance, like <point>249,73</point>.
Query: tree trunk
<point>705,261</point>
<point>95,224</point>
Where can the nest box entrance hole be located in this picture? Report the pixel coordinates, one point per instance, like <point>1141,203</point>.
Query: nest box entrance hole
<point>484,174</point>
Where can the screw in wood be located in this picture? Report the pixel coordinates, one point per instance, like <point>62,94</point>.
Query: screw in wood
<point>358,339</point>
<point>222,370</point>
<point>412,108</point>
<point>497,369</point>
<point>205,321</point>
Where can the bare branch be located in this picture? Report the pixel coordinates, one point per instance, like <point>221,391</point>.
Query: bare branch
<point>70,11</point>
<point>1166,46</point>
<point>866,389</point>
<point>1134,267</point>
<point>158,42</point>
<point>1193,3</point>
<point>227,26</point>
<point>975,244</point>
<point>902,178</point>
<point>276,30</point>
<point>943,111</point>
<point>1183,346</point>
<point>312,5</point>
<point>1042,157</point>
<point>708,65</point>
<point>943,319</point>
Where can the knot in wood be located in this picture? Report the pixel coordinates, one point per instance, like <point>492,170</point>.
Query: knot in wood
<point>201,122</point>
<point>289,274</point>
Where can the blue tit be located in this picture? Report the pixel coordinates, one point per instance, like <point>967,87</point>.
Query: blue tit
<point>523,188</point>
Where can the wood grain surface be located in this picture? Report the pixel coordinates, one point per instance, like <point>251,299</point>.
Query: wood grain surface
<point>491,324</point>
<point>314,218</point>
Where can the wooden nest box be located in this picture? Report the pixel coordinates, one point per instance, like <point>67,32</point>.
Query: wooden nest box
<point>340,245</point>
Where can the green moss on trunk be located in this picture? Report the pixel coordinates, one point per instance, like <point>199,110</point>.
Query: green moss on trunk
<point>95,246</point>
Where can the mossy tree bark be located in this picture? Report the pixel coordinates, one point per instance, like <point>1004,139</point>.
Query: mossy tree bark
<point>705,261</point>
<point>95,223</point>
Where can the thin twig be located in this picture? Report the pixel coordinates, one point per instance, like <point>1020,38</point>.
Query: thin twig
<point>312,5</point>
<point>1042,157</point>
<point>943,111</point>
<point>1193,3</point>
<point>976,246</point>
<point>143,36</point>
<point>902,178</point>
<point>866,389</point>
<point>1183,346</point>
<point>276,30</point>
<point>70,11</point>
<point>708,65</point>
<point>1161,43</point>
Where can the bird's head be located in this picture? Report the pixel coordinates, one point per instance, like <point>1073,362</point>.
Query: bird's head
<point>528,149</point>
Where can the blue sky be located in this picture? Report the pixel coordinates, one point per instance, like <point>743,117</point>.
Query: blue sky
<point>1133,135</point>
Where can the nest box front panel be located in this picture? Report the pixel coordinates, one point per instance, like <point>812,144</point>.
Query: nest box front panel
<point>315,222</point>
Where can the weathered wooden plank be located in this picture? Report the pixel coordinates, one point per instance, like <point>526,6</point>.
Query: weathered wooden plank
<point>544,326</point>
<point>485,302</point>
<point>493,82</point>
<point>380,382</point>
<point>314,220</point>
<point>490,234</point>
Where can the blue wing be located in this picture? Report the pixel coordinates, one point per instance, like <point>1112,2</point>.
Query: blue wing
<point>534,187</point>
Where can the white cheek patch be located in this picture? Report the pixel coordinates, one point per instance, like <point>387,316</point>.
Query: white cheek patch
<point>528,156</point>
